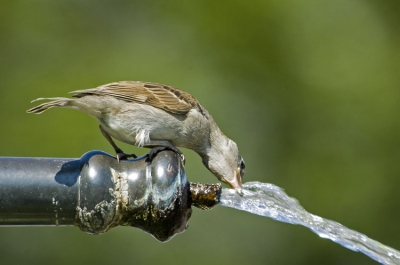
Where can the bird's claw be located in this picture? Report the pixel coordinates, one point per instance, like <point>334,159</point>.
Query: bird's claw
<point>182,156</point>
<point>155,150</point>
<point>122,156</point>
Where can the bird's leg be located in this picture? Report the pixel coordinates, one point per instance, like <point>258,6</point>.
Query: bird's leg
<point>120,154</point>
<point>158,145</point>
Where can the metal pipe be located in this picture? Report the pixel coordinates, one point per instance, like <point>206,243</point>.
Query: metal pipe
<point>38,191</point>
<point>96,193</point>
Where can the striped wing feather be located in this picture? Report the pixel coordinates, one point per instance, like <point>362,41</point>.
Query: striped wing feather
<point>157,95</point>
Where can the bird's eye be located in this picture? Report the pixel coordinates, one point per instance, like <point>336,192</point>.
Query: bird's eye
<point>242,165</point>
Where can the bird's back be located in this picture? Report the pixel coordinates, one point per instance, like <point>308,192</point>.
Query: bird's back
<point>160,96</point>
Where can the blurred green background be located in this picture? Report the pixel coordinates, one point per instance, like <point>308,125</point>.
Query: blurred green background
<point>309,90</point>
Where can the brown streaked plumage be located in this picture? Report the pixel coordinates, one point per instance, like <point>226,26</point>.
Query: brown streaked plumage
<point>159,96</point>
<point>155,115</point>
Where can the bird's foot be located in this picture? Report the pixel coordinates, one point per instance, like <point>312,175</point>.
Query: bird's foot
<point>155,150</point>
<point>122,156</point>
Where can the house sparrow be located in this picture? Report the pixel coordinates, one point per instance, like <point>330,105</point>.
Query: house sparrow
<point>156,116</point>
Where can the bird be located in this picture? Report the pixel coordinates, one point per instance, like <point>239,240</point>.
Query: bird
<point>156,116</point>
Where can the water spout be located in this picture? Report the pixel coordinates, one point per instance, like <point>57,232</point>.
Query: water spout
<point>271,201</point>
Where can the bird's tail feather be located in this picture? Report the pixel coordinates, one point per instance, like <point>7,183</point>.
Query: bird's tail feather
<point>55,102</point>
<point>85,92</point>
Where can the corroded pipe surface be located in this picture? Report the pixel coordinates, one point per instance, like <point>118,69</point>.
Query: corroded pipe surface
<point>96,193</point>
<point>205,196</point>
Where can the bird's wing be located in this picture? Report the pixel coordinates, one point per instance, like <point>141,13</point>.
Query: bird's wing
<point>159,96</point>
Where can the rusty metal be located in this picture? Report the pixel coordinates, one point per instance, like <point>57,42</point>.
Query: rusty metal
<point>97,193</point>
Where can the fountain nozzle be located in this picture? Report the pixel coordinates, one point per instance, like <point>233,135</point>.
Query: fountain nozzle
<point>205,196</point>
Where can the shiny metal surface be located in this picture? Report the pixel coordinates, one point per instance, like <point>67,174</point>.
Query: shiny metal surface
<point>96,193</point>
<point>31,191</point>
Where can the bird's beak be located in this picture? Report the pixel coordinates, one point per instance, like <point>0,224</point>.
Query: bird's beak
<point>236,182</point>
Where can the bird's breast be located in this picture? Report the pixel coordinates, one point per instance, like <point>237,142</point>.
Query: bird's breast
<point>135,123</point>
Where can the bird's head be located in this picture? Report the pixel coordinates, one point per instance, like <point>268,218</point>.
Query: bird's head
<point>225,162</point>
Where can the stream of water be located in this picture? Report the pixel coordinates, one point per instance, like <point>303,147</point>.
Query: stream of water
<point>271,201</point>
